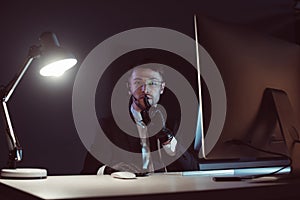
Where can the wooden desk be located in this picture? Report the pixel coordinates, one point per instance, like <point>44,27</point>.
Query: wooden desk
<point>153,187</point>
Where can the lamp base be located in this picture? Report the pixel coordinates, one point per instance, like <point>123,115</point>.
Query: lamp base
<point>24,173</point>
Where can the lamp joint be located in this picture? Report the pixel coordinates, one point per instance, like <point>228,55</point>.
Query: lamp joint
<point>34,51</point>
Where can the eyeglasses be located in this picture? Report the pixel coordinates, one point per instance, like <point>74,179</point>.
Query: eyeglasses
<point>148,83</point>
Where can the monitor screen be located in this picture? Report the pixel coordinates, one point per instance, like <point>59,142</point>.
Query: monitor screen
<point>248,62</point>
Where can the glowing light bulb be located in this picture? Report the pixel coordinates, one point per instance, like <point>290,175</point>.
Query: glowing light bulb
<point>58,68</point>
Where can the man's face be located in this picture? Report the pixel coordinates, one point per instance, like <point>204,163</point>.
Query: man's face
<point>146,82</point>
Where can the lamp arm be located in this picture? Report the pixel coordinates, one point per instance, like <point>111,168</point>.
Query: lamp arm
<point>34,52</point>
<point>14,83</point>
<point>15,149</point>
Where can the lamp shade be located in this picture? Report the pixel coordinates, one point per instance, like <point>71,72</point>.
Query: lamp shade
<point>54,59</point>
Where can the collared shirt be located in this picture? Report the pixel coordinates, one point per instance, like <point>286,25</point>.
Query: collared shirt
<point>169,148</point>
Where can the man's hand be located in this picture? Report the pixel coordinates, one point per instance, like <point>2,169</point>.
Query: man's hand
<point>165,136</point>
<point>122,167</point>
<point>142,105</point>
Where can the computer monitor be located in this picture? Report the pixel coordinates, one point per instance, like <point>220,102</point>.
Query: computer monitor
<point>249,63</point>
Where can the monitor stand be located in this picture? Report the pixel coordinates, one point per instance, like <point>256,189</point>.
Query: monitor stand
<point>288,127</point>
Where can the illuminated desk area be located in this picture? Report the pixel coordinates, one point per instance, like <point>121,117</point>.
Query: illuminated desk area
<point>171,186</point>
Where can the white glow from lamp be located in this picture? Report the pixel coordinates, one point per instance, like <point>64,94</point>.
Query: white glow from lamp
<point>58,68</point>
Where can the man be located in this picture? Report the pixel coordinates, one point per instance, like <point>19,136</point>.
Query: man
<point>155,139</point>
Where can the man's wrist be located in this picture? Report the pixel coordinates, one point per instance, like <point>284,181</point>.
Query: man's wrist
<point>167,142</point>
<point>101,170</point>
<point>170,148</point>
<point>105,170</point>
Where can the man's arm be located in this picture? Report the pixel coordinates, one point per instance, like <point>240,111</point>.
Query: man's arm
<point>91,165</point>
<point>188,161</point>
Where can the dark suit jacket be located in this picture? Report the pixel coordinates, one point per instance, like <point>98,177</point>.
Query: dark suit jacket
<point>188,161</point>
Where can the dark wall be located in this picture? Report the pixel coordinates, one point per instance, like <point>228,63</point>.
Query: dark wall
<point>41,108</point>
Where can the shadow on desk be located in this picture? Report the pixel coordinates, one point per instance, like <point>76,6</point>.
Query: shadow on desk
<point>9,193</point>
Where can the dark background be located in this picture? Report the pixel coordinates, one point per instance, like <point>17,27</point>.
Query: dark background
<point>41,108</point>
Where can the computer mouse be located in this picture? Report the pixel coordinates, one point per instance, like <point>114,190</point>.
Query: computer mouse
<point>123,175</point>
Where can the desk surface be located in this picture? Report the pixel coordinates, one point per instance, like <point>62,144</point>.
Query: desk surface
<point>171,186</point>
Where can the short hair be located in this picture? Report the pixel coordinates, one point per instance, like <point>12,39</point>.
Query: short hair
<point>152,66</point>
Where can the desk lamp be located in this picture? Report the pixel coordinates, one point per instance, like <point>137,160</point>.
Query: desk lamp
<point>56,61</point>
